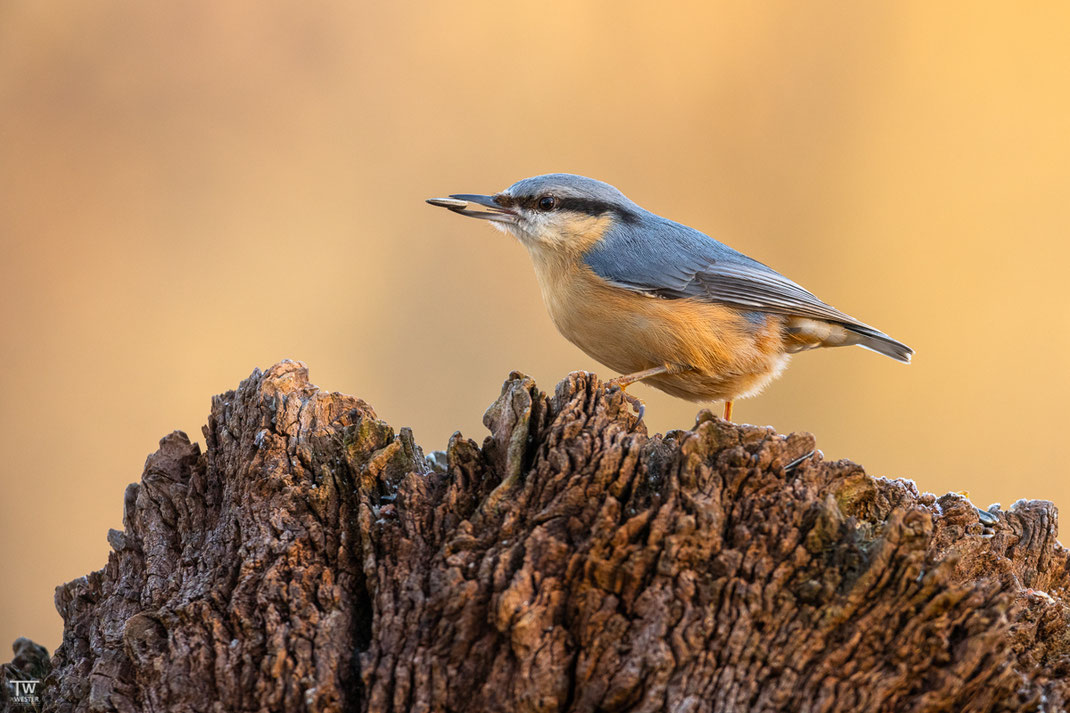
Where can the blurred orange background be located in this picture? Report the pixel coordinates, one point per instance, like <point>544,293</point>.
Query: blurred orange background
<point>190,190</point>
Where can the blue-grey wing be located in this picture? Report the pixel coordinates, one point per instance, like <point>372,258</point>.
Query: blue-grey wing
<point>663,258</point>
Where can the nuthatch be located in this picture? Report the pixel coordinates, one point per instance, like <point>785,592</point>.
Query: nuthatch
<point>658,301</point>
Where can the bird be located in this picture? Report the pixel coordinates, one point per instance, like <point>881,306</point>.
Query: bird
<point>657,301</point>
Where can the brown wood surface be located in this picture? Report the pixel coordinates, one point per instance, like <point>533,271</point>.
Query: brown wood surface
<point>314,559</point>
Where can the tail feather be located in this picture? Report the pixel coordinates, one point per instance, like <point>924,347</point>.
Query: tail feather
<point>807,333</point>
<point>880,342</point>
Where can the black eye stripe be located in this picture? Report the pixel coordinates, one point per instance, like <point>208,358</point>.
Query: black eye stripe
<point>586,206</point>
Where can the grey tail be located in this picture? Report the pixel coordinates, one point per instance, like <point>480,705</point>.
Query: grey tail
<point>880,342</point>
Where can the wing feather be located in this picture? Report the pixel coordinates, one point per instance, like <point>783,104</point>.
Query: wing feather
<point>663,258</point>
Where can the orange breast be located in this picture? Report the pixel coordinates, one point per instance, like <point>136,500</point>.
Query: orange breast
<point>729,356</point>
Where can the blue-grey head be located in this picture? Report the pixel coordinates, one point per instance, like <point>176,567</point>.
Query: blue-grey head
<point>558,211</point>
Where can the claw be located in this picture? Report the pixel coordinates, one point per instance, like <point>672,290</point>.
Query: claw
<point>634,401</point>
<point>621,383</point>
<point>640,408</point>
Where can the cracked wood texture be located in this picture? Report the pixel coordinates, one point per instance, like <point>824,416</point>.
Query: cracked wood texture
<point>312,558</point>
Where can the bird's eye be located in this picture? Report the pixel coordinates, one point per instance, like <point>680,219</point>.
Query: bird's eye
<point>547,203</point>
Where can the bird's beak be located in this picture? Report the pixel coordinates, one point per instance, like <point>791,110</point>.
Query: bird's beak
<point>462,203</point>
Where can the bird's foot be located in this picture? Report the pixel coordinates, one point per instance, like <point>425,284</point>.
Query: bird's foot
<point>620,384</point>
<point>637,404</point>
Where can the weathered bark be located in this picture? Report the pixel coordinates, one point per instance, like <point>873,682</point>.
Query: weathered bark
<point>312,559</point>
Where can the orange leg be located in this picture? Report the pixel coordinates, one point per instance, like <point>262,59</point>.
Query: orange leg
<point>727,410</point>
<point>623,382</point>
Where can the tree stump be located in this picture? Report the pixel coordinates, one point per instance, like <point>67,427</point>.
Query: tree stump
<point>312,559</point>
